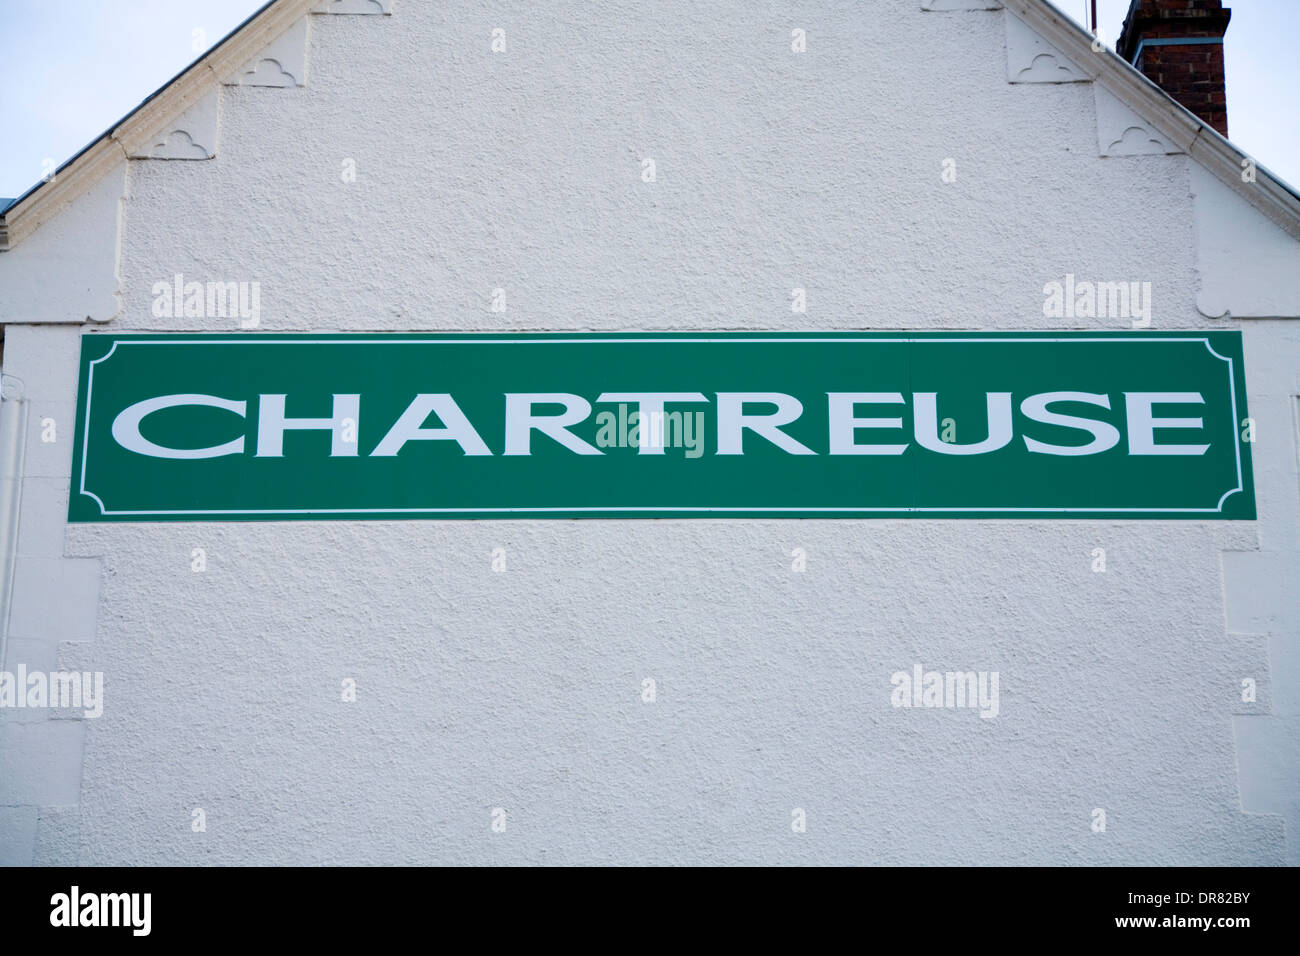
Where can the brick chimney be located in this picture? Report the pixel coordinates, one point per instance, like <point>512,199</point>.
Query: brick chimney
<point>1178,44</point>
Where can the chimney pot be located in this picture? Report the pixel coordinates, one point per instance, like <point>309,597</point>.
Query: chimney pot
<point>1178,45</point>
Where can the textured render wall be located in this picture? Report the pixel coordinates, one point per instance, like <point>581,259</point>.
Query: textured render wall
<point>1261,586</point>
<point>522,689</point>
<point>774,170</point>
<point>67,272</point>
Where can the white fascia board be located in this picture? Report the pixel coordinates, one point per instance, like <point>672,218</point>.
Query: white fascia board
<point>1206,145</point>
<point>133,134</point>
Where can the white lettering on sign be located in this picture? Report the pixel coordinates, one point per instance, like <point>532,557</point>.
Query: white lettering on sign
<point>1104,435</point>
<point>843,424</point>
<point>732,421</point>
<point>456,427</point>
<point>522,419</point>
<point>1142,423</point>
<point>650,439</point>
<point>126,427</point>
<point>927,425</point>
<point>272,424</point>
<point>520,422</point>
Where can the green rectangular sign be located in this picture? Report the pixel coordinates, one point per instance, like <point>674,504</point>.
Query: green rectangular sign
<point>219,427</point>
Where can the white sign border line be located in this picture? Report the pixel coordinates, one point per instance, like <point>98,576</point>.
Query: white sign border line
<point>830,337</point>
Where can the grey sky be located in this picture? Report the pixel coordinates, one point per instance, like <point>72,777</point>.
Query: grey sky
<point>75,67</point>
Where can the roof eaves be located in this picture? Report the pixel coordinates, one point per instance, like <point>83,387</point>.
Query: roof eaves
<point>22,216</point>
<point>1269,193</point>
<point>47,198</point>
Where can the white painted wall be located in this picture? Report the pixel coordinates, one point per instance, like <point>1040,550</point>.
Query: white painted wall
<point>522,689</point>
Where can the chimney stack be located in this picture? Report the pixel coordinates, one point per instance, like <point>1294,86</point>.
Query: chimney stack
<point>1178,45</point>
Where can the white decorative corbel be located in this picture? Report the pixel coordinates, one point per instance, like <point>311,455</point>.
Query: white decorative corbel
<point>1032,59</point>
<point>944,6</point>
<point>282,63</point>
<point>384,7</point>
<point>192,135</point>
<point>1121,132</point>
